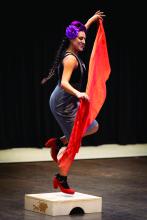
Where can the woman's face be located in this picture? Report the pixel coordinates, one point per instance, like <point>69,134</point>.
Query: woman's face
<point>79,42</point>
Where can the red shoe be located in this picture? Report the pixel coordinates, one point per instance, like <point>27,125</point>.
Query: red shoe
<point>54,143</point>
<point>50,142</point>
<point>61,182</point>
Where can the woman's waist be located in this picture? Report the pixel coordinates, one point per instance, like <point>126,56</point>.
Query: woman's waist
<point>76,85</point>
<point>60,95</point>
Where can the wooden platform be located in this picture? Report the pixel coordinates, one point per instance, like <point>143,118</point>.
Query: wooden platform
<point>59,203</point>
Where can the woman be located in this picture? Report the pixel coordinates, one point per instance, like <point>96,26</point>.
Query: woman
<point>64,99</point>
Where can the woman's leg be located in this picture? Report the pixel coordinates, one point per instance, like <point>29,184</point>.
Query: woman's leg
<point>64,140</point>
<point>93,128</point>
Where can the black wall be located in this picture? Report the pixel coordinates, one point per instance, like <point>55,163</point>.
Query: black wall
<point>30,37</point>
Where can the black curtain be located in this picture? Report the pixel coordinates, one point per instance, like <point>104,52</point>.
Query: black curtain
<point>30,37</point>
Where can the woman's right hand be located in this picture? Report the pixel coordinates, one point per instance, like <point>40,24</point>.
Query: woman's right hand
<point>96,17</point>
<point>99,15</point>
<point>82,95</point>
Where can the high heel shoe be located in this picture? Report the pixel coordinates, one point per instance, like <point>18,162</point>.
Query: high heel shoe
<point>50,142</point>
<point>55,144</point>
<point>61,182</point>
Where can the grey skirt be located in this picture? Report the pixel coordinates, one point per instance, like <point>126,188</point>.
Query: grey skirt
<point>64,108</point>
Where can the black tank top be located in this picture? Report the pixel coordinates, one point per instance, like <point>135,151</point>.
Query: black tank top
<point>77,74</point>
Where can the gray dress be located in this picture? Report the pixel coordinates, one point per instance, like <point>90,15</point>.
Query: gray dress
<point>64,105</point>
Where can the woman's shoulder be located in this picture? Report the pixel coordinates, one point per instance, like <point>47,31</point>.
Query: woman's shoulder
<point>73,56</point>
<point>69,59</point>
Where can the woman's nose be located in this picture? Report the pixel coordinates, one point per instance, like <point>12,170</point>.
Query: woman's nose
<point>83,41</point>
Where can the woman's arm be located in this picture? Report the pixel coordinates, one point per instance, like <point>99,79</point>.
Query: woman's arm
<point>70,63</point>
<point>98,15</point>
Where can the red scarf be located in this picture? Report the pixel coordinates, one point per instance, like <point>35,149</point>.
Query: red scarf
<point>98,73</point>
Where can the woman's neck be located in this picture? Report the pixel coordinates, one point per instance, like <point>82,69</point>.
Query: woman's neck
<point>72,50</point>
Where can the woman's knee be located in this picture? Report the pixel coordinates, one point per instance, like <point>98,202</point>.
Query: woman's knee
<point>96,127</point>
<point>93,127</point>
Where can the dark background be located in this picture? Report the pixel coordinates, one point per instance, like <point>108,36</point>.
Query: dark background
<point>30,37</point>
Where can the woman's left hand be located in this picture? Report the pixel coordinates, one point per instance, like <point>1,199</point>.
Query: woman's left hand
<point>96,17</point>
<point>99,15</point>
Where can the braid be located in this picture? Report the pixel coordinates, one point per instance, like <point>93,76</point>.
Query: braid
<point>65,43</point>
<point>58,57</point>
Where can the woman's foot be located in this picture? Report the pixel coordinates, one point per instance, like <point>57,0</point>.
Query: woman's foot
<point>55,144</point>
<point>61,182</point>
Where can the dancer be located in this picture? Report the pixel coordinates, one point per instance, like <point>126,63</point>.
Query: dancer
<point>64,100</point>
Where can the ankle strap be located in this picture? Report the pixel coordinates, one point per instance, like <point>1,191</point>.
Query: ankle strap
<point>59,142</point>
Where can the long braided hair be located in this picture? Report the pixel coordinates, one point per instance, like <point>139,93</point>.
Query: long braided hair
<point>71,33</point>
<point>63,46</point>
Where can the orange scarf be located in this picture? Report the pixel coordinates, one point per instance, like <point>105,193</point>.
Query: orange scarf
<point>98,73</point>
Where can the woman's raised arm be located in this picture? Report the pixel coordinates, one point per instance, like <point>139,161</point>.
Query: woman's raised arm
<point>98,15</point>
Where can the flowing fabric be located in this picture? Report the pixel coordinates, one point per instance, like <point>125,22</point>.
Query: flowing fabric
<point>98,73</point>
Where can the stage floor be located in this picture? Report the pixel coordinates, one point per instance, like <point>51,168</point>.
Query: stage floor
<point>121,182</point>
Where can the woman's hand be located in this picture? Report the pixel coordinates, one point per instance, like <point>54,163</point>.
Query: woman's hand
<point>96,17</point>
<point>82,95</point>
<point>99,15</point>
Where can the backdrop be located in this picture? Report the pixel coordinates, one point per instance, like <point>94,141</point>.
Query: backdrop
<point>30,37</point>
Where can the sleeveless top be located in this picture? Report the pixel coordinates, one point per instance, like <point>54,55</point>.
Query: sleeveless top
<point>77,74</point>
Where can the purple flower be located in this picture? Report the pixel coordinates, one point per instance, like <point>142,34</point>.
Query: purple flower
<point>72,32</point>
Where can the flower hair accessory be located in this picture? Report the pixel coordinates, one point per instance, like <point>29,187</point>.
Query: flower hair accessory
<point>72,31</point>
